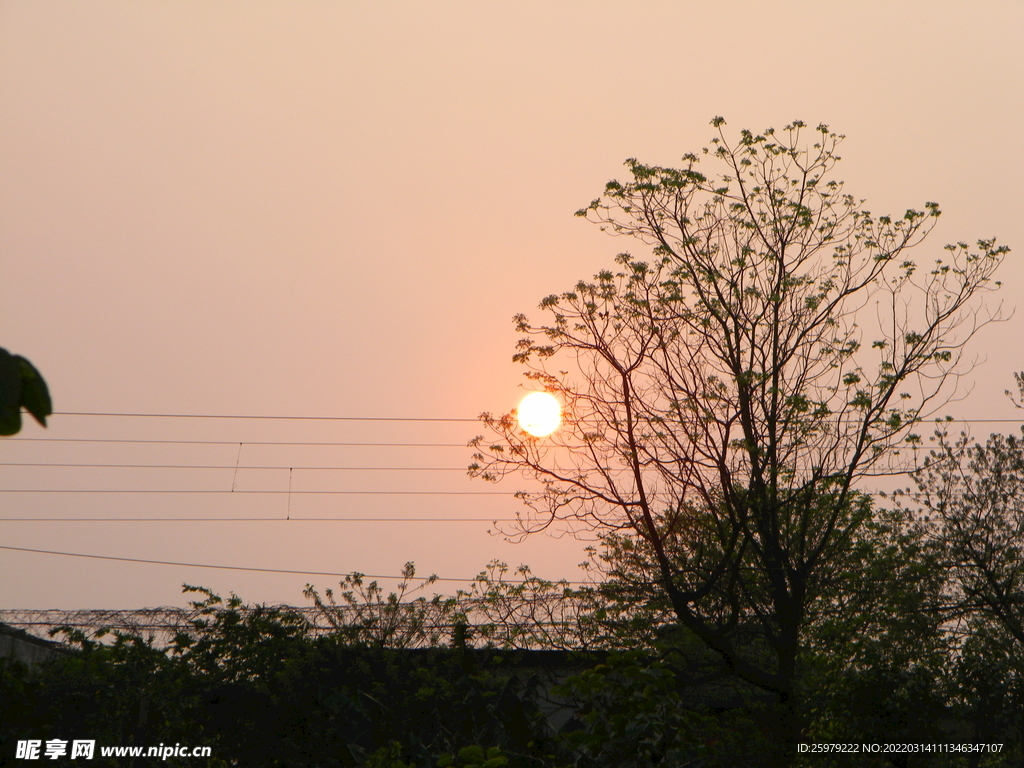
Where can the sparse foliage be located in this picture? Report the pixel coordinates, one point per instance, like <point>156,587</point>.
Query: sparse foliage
<point>365,616</point>
<point>722,399</point>
<point>974,497</point>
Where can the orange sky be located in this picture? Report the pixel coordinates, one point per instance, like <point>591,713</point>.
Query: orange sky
<point>334,209</point>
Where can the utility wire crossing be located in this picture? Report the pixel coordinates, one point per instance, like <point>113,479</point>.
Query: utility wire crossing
<point>289,493</point>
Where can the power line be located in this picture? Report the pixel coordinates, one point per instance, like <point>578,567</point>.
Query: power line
<point>76,465</point>
<point>257,519</point>
<point>264,418</point>
<point>281,493</point>
<point>883,494</point>
<point>200,565</point>
<point>937,421</point>
<point>234,567</point>
<point>232,466</point>
<point>236,442</point>
<point>913,496</point>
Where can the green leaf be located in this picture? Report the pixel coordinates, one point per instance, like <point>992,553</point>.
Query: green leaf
<point>35,395</point>
<point>21,386</point>
<point>10,393</point>
<point>473,753</point>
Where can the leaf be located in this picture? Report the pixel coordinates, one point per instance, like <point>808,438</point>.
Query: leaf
<point>35,395</point>
<point>21,386</point>
<point>10,393</point>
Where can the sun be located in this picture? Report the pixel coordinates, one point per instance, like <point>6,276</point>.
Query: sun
<point>540,414</point>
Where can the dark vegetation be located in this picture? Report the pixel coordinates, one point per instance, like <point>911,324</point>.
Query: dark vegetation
<point>261,689</point>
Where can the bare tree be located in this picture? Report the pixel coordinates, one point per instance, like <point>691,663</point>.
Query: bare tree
<point>723,399</point>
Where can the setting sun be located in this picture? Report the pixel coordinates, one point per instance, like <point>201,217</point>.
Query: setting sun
<point>540,414</point>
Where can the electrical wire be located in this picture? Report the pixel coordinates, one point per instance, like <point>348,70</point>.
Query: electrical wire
<point>238,417</point>
<point>883,494</point>
<point>264,418</point>
<point>240,568</point>
<point>201,565</point>
<point>236,442</point>
<point>257,519</point>
<point>231,466</point>
<point>280,493</point>
<point>387,418</point>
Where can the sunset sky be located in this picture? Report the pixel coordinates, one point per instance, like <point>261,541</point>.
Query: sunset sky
<point>334,209</point>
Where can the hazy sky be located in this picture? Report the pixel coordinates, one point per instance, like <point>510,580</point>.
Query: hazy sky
<point>335,208</point>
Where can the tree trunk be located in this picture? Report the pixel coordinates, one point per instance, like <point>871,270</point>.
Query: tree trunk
<point>789,730</point>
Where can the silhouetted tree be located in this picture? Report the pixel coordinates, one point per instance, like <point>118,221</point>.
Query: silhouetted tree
<point>722,400</point>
